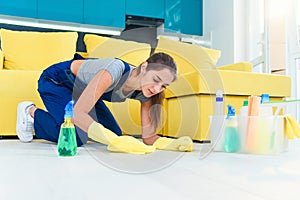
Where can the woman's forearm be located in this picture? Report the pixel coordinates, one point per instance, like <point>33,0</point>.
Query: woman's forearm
<point>148,130</point>
<point>89,97</point>
<point>83,120</point>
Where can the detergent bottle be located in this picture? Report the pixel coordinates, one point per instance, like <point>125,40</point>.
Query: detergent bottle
<point>244,109</point>
<point>265,111</point>
<point>67,144</point>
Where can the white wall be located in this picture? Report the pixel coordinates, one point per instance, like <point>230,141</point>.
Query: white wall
<point>234,28</point>
<point>219,22</point>
<point>241,30</point>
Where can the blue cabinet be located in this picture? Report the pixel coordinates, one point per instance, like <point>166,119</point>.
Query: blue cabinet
<point>104,13</point>
<point>58,10</point>
<point>21,8</point>
<point>180,16</point>
<point>94,12</point>
<point>184,16</point>
<point>146,8</point>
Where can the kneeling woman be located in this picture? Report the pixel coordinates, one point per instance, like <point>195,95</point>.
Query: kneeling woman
<point>91,81</point>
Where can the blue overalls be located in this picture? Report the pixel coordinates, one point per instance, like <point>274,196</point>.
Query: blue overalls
<point>56,88</point>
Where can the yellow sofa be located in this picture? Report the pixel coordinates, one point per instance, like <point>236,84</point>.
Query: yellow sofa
<point>189,100</point>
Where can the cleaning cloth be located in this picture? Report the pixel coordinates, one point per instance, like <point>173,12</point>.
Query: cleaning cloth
<point>183,143</point>
<point>124,144</point>
<point>291,127</point>
<point>129,144</point>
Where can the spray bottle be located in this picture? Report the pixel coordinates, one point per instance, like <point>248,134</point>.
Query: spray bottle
<point>232,138</point>
<point>265,111</point>
<point>217,123</point>
<point>67,144</point>
<point>244,109</point>
<point>219,107</point>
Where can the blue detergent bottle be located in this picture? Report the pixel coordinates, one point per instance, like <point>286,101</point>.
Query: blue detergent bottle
<point>67,144</point>
<point>232,137</point>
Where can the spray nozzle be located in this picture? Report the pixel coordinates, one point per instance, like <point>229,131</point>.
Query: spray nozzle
<point>69,109</point>
<point>231,111</point>
<point>265,98</point>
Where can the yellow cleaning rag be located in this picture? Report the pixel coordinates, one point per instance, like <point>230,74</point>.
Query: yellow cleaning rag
<point>291,127</point>
<point>183,143</point>
<point>288,131</point>
<point>129,144</point>
<point>124,144</point>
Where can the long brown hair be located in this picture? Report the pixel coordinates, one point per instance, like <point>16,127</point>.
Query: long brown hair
<point>160,61</point>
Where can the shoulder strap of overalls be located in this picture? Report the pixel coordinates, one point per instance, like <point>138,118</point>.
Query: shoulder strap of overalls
<point>127,67</point>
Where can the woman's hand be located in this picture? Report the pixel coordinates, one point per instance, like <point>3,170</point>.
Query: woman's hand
<point>184,143</point>
<point>150,140</point>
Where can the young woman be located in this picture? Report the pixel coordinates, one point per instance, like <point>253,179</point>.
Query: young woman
<point>91,81</point>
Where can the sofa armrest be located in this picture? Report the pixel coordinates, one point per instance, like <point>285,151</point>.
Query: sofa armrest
<point>231,82</point>
<point>240,66</point>
<point>1,60</point>
<point>16,86</point>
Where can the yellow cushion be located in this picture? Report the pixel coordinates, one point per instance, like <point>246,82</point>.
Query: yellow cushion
<point>240,66</point>
<point>1,60</point>
<point>24,50</point>
<point>213,54</point>
<point>134,53</point>
<point>188,57</point>
<point>83,54</point>
<point>91,41</point>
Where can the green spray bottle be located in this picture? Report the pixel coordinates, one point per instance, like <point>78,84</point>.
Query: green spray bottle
<point>67,144</point>
<point>232,137</point>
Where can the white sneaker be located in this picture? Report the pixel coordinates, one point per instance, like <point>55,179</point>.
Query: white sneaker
<point>24,127</point>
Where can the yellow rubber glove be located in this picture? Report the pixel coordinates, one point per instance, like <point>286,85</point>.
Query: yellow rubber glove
<point>101,134</point>
<point>183,143</point>
<point>129,144</point>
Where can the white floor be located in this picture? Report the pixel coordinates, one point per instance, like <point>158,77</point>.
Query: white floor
<point>34,171</point>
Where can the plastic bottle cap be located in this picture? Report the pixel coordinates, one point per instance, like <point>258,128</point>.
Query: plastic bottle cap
<point>265,98</point>
<point>219,95</point>
<point>69,110</point>
<point>219,99</point>
<point>245,103</point>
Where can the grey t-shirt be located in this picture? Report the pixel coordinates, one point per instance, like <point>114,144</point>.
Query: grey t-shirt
<point>90,67</point>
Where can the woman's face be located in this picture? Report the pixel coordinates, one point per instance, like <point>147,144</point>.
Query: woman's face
<point>154,82</point>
